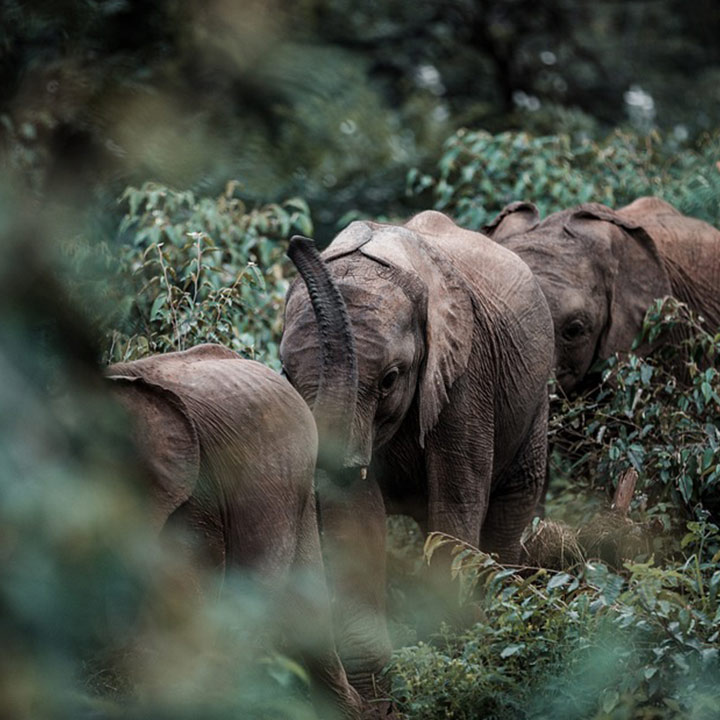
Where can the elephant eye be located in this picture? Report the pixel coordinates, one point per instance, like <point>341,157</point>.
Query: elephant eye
<point>573,330</point>
<point>389,380</point>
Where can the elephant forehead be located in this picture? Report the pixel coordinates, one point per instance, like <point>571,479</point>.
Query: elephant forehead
<point>569,258</point>
<point>380,315</point>
<point>374,303</point>
<point>567,301</point>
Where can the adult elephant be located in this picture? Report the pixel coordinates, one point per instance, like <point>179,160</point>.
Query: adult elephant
<point>230,452</point>
<point>424,351</point>
<point>600,270</point>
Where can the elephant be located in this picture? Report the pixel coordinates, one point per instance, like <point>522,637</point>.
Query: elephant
<point>600,269</point>
<point>424,350</point>
<point>230,451</point>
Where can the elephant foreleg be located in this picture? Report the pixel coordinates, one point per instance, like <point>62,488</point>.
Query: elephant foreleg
<point>459,473</point>
<point>513,504</point>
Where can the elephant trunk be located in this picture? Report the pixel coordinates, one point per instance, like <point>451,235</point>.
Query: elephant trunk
<point>336,397</point>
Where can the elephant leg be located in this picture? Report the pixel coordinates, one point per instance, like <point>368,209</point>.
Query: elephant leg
<point>352,521</point>
<point>513,504</point>
<point>308,598</point>
<point>198,531</point>
<point>459,474</point>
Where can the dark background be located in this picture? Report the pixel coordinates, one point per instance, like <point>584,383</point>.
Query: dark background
<point>332,100</point>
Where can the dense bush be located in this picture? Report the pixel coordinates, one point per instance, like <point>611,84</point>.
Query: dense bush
<point>200,269</point>
<point>479,173</point>
<point>638,640</point>
<point>659,415</point>
<point>586,643</point>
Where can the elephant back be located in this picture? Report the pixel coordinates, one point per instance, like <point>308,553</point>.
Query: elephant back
<point>257,446</point>
<point>239,407</point>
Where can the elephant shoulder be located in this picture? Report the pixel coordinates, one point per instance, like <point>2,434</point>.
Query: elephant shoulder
<point>460,245</point>
<point>648,206</point>
<point>432,222</point>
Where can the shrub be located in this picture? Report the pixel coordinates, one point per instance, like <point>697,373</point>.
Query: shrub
<point>200,269</point>
<point>479,173</point>
<point>659,414</point>
<point>583,644</point>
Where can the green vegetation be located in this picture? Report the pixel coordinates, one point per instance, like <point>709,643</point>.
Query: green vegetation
<point>199,269</point>
<point>479,173</point>
<point>628,627</point>
<point>584,643</point>
<point>659,415</point>
<point>159,157</point>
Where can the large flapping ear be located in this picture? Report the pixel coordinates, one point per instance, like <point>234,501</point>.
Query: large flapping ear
<point>514,219</point>
<point>639,275</point>
<point>167,440</point>
<point>448,318</point>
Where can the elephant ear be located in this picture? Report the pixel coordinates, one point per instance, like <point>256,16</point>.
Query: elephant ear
<point>638,274</point>
<point>514,219</point>
<point>347,241</point>
<point>436,286</point>
<point>354,236</point>
<point>167,439</point>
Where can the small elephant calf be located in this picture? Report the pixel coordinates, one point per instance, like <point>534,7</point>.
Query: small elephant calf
<point>230,449</point>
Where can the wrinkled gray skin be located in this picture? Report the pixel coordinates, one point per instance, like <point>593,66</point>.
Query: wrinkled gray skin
<point>230,451</point>
<point>453,350</point>
<point>600,270</point>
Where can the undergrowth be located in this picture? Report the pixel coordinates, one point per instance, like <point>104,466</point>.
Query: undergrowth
<point>636,639</point>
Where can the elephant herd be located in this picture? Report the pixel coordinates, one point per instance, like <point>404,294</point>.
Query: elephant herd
<point>424,351</point>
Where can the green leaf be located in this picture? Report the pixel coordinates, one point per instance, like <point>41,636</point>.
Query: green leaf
<point>559,580</point>
<point>510,650</point>
<point>609,700</point>
<point>157,307</point>
<point>646,373</point>
<point>685,485</point>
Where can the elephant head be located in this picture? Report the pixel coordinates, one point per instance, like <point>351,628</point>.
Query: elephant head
<point>599,273</point>
<point>404,337</point>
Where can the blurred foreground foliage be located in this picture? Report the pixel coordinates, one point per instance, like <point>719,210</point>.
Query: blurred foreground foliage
<point>97,616</point>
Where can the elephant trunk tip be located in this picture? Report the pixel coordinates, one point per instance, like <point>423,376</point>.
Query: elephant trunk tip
<point>299,244</point>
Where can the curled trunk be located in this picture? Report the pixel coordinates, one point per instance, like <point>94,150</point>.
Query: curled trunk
<point>336,396</point>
